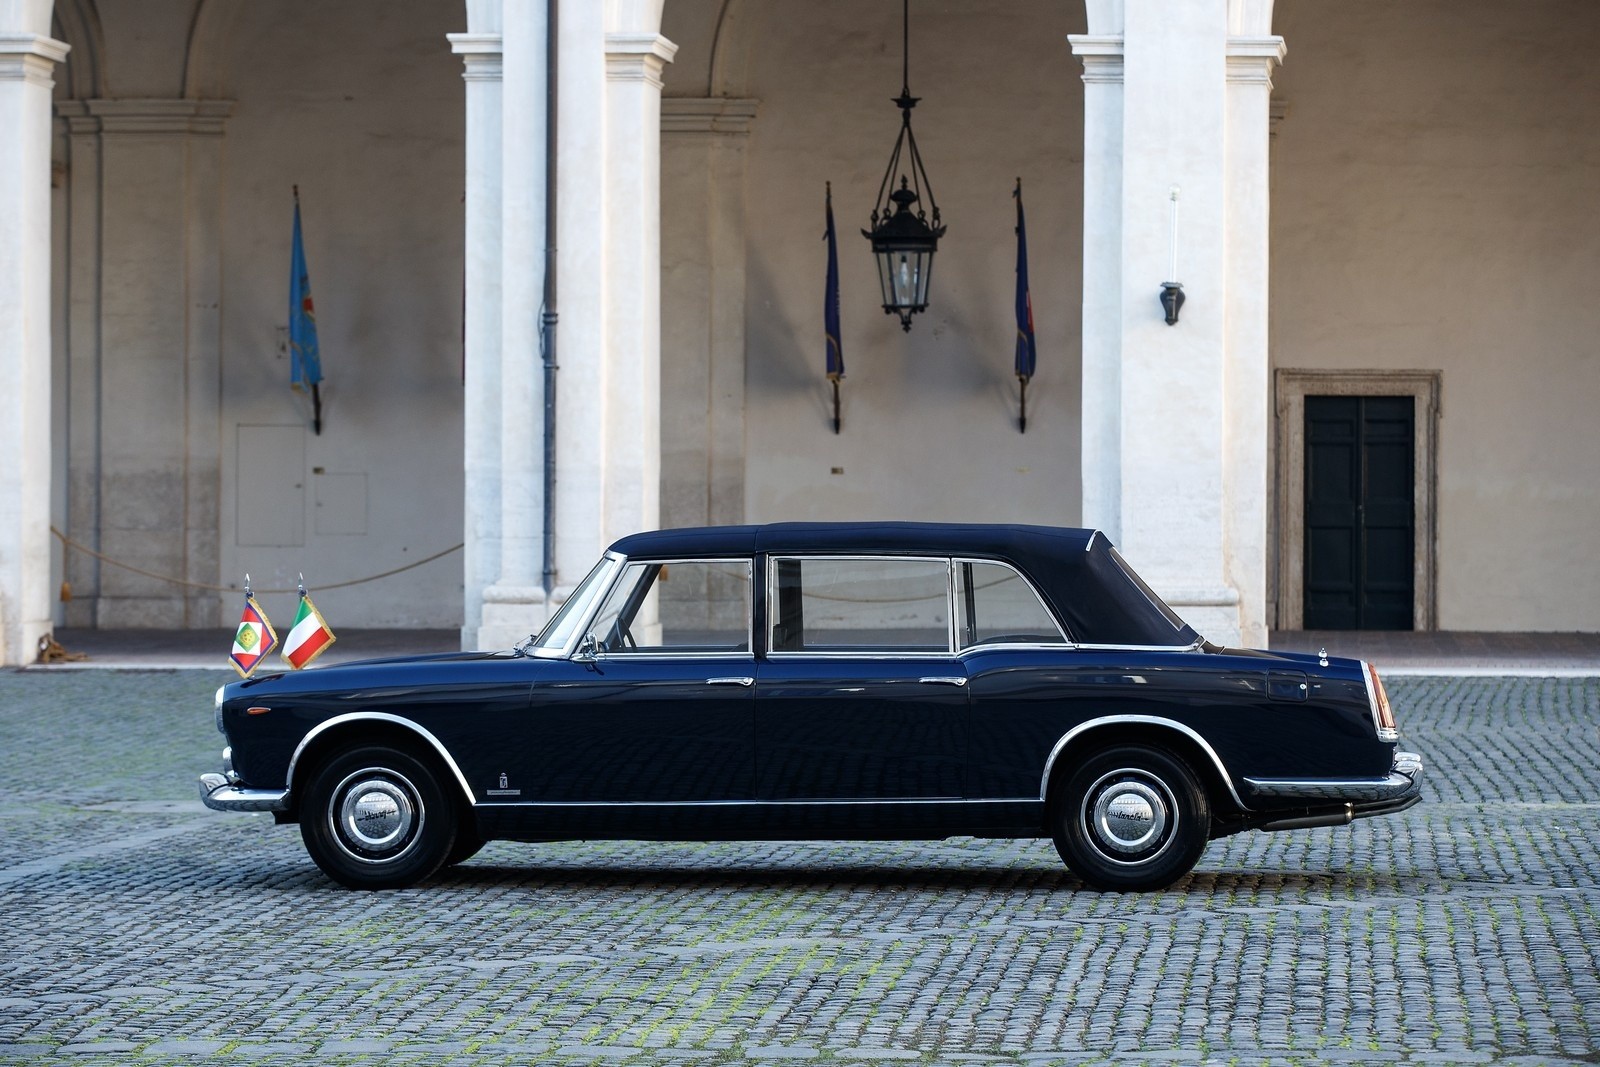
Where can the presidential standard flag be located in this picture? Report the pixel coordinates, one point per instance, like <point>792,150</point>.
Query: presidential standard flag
<point>305,358</point>
<point>1027,355</point>
<point>309,637</point>
<point>830,313</point>
<point>254,638</point>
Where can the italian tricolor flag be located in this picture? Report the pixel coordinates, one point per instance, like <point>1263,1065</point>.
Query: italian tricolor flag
<point>308,638</point>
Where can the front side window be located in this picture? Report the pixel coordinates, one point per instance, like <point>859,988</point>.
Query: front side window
<point>685,606</point>
<point>996,606</point>
<point>827,604</point>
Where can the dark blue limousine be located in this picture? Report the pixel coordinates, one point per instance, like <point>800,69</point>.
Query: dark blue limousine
<point>823,681</point>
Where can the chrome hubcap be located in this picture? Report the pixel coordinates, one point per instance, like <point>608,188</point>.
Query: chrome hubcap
<point>1129,815</point>
<point>375,815</point>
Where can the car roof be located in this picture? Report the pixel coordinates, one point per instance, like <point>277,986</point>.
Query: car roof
<point>1002,541</point>
<point>1086,584</point>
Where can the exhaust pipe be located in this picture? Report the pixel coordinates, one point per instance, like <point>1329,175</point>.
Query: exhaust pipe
<point>1343,817</point>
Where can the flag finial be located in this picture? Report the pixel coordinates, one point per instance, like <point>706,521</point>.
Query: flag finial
<point>247,592</point>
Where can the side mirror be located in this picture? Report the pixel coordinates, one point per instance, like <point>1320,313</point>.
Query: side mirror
<point>588,649</point>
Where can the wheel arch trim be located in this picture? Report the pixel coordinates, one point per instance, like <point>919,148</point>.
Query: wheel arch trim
<point>1156,721</point>
<point>385,717</point>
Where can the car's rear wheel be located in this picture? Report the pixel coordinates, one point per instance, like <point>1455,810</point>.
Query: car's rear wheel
<point>1133,817</point>
<point>376,817</point>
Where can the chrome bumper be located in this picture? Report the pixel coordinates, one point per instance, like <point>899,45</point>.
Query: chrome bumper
<point>1401,788</point>
<point>218,795</point>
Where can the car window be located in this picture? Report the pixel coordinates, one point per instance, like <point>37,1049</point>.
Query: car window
<point>831,604</point>
<point>680,606</point>
<point>996,606</point>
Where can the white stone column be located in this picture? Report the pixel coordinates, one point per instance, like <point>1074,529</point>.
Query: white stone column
<point>26,64</point>
<point>481,56</point>
<point>632,209</point>
<point>514,606</point>
<point>1175,432</point>
<point>703,148</point>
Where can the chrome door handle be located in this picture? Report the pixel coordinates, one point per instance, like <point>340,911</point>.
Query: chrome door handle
<point>731,681</point>
<point>943,679</point>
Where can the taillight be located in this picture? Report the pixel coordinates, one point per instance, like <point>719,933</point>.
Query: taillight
<point>1382,713</point>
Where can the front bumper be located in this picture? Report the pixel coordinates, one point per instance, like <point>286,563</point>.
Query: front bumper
<point>1398,790</point>
<point>218,795</point>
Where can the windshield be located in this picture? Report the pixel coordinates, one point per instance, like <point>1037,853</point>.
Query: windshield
<point>559,631</point>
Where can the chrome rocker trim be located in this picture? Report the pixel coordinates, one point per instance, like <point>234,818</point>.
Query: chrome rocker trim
<point>1402,783</point>
<point>218,795</point>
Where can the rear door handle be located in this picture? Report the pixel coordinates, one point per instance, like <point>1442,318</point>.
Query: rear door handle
<point>945,679</point>
<point>731,681</point>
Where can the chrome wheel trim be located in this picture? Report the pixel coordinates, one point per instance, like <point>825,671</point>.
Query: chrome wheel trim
<point>375,815</point>
<point>1129,816</point>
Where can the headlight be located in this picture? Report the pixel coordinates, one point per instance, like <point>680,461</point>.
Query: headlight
<point>218,703</point>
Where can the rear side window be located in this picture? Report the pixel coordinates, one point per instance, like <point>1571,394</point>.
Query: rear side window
<point>830,604</point>
<point>996,606</point>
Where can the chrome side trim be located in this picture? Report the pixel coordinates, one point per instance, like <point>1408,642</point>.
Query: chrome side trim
<point>1403,781</point>
<point>1193,646</point>
<point>881,802</point>
<point>218,795</point>
<point>377,716</point>
<point>1144,720</point>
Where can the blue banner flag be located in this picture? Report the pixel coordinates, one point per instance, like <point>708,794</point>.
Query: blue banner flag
<point>305,358</point>
<point>1027,353</point>
<point>830,313</point>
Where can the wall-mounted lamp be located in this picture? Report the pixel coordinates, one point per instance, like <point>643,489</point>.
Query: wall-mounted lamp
<point>1172,289</point>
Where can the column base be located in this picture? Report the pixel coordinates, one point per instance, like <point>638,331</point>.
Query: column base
<point>510,614</point>
<point>1213,611</point>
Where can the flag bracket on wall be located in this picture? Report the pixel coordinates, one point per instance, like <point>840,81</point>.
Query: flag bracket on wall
<point>830,312</point>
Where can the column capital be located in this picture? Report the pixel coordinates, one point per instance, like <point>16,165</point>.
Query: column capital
<point>481,55</point>
<point>27,57</point>
<point>1251,59</point>
<point>721,115</point>
<point>1101,56</point>
<point>638,57</point>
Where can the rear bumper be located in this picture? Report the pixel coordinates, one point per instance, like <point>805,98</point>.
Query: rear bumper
<point>1397,790</point>
<point>218,795</point>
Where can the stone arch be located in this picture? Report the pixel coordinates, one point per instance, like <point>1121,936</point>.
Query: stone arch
<point>730,52</point>
<point>78,24</point>
<point>206,58</point>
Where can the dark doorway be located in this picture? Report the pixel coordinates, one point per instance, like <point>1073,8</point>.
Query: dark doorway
<point>1359,512</point>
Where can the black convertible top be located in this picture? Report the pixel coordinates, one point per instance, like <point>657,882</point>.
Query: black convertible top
<point>1083,579</point>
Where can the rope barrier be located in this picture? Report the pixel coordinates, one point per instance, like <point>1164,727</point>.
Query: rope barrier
<point>86,550</point>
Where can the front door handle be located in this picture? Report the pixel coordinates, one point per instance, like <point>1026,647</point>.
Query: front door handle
<point>945,679</point>
<point>731,681</point>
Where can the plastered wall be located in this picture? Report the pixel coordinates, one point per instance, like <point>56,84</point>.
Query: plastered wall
<point>1433,186</point>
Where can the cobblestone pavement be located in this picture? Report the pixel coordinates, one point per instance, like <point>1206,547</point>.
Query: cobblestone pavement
<point>139,927</point>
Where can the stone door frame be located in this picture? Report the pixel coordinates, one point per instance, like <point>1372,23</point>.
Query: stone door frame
<point>1291,387</point>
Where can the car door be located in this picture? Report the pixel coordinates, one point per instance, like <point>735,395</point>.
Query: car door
<point>659,708</point>
<point>859,696</point>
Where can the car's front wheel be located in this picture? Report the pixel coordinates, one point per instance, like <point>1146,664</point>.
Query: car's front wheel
<point>376,817</point>
<point>1133,817</point>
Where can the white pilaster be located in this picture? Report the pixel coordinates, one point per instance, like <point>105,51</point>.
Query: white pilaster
<point>26,64</point>
<point>1246,385</point>
<point>703,148</point>
<point>481,57</point>
<point>1102,281</point>
<point>632,209</point>
<point>514,605</point>
<point>145,349</point>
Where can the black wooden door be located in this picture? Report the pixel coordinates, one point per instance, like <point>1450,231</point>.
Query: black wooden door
<point>1359,515</point>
